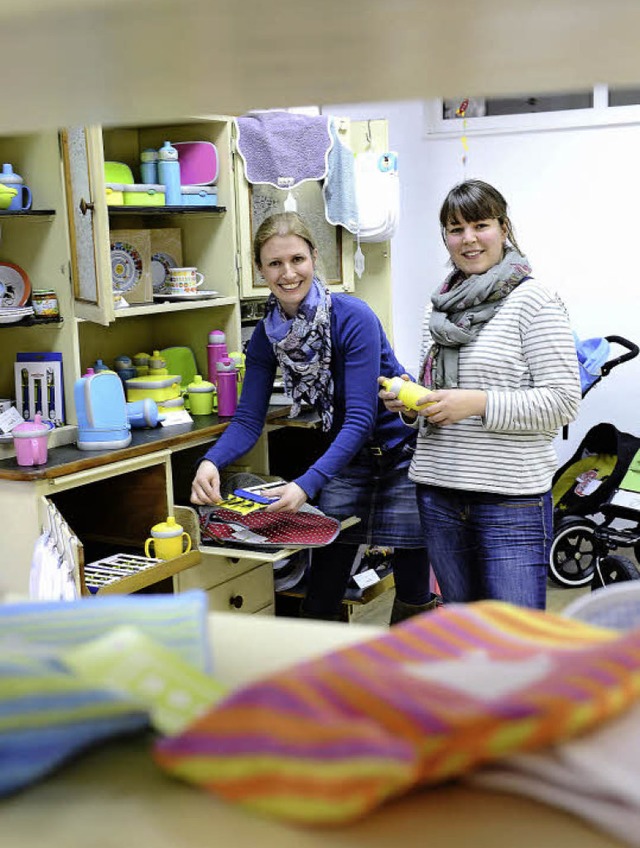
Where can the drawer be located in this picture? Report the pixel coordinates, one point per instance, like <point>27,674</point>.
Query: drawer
<point>246,593</point>
<point>214,568</point>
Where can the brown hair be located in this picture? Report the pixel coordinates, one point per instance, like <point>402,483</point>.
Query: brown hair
<point>280,224</point>
<point>474,200</point>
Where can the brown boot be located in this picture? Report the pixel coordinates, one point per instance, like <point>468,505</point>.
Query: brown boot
<point>401,611</point>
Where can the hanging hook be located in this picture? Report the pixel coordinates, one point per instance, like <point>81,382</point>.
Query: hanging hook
<point>368,133</point>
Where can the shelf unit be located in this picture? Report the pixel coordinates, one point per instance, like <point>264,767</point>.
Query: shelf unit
<point>209,242</point>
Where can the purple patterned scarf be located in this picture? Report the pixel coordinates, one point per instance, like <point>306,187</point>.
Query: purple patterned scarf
<point>302,346</point>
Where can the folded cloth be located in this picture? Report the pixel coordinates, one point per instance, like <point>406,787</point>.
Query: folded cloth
<point>47,628</point>
<point>327,740</point>
<point>594,777</point>
<point>308,527</point>
<point>339,189</point>
<point>283,149</point>
<point>47,715</point>
<point>48,712</point>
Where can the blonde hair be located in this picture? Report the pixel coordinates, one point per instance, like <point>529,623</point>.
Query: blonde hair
<point>280,224</point>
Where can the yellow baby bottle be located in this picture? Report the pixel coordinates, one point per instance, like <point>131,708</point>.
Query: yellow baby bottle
<point>406,391</point>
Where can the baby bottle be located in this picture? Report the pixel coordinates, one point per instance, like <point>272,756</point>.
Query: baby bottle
<point>406,391</point>
<point>169,174</point>
<point>216,350</point>
<point>149,166</point>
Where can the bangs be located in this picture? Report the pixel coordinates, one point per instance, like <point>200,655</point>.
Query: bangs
<point>467,203</point>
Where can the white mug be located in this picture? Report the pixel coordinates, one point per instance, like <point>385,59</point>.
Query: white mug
<point>184,280</point>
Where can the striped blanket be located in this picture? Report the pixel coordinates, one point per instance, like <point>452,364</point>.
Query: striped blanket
<point>328,740</point>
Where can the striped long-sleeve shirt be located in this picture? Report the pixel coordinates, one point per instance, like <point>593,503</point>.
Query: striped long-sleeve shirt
<point>525,360</point>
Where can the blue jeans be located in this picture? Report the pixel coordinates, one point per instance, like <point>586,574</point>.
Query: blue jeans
<point>485,546</point>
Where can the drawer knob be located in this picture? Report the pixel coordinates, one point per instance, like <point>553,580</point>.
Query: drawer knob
<point>236,601</point>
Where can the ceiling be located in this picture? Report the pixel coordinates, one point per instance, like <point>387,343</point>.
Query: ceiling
<point>117,61</point>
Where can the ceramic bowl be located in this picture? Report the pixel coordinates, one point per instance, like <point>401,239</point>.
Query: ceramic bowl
<point>7,193</point>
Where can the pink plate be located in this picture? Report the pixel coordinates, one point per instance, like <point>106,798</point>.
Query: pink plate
<point>198,162</point>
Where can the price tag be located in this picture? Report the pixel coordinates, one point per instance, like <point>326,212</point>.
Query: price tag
<point>10,419</point>
<point>366,578</point>
<point>179,417</point>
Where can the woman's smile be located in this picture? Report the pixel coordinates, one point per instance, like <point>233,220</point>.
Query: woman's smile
<point>288,266</point>
<point>475,246</point>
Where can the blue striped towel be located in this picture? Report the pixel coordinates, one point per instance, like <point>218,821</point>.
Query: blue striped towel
<point>339,189</point>
<point>48,714</point>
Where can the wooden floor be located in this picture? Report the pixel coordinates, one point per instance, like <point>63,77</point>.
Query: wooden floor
<point>378,611</point>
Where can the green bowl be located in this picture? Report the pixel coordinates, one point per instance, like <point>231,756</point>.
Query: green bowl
<point>7,193</point>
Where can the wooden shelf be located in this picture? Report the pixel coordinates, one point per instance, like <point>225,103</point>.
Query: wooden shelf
<point>33,214</point>
<point>173,306</point>
<point>147,577</point>
<point>154,211</point>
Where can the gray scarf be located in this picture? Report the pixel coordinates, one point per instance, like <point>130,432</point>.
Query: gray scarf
<point>461,307</point>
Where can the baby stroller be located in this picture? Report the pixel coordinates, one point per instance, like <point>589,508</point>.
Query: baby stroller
<point>588,487</point>
<point>584,489</point>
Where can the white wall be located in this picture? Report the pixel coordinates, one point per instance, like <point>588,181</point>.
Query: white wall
<point>574,197</point>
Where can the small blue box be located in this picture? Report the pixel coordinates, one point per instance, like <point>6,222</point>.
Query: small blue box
<point>199,195</point>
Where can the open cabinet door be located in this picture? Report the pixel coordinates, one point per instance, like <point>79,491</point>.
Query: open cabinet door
<point>336,246</point>
<point>83,162</point>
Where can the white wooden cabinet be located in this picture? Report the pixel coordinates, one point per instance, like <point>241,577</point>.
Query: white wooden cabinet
<point>63,244</point>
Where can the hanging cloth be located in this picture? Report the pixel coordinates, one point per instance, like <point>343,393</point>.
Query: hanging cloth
<point>283,149</point>
<point>339,189</point>
<point>377,194</point>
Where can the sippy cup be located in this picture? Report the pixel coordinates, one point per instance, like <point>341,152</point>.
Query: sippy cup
<point>168,540</point>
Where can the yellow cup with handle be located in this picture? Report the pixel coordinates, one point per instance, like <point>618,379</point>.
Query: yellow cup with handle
<point>168,540</point>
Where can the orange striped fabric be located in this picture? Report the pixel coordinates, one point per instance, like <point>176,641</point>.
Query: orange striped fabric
<point>329,739</point>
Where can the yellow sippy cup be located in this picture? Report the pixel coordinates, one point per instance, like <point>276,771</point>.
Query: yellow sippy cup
<point>168,540</point>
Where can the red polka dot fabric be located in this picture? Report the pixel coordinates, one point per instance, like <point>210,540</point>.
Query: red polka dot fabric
<point>310,529</point>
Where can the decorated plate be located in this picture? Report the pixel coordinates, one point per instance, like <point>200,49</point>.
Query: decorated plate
<point>161,264</point>
<point>126,266</point>
<point>14,315</point>
<point>15,287</point>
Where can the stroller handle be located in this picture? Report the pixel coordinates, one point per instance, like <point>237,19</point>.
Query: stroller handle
<point>632,351</point>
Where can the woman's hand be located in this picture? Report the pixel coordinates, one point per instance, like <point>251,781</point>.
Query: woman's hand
<point>391,402</point>
<point>205,488</point>
<point>452,405</point>
<point>290,498</point>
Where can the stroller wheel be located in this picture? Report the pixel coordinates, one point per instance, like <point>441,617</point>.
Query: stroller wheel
<point>613,569</point>
<point>573,554</point>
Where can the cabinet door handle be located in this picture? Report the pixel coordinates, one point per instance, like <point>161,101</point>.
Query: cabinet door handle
<point>85,207</point>
<point>236,601</point>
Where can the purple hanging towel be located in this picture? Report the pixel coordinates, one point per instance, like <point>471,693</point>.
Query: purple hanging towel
<point>284,149</point>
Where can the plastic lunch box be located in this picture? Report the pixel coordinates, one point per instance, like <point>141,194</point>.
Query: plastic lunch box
<point>144,194</point>
<point>158,387</point>
<point>115,193</point>
<point>195,195</point>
